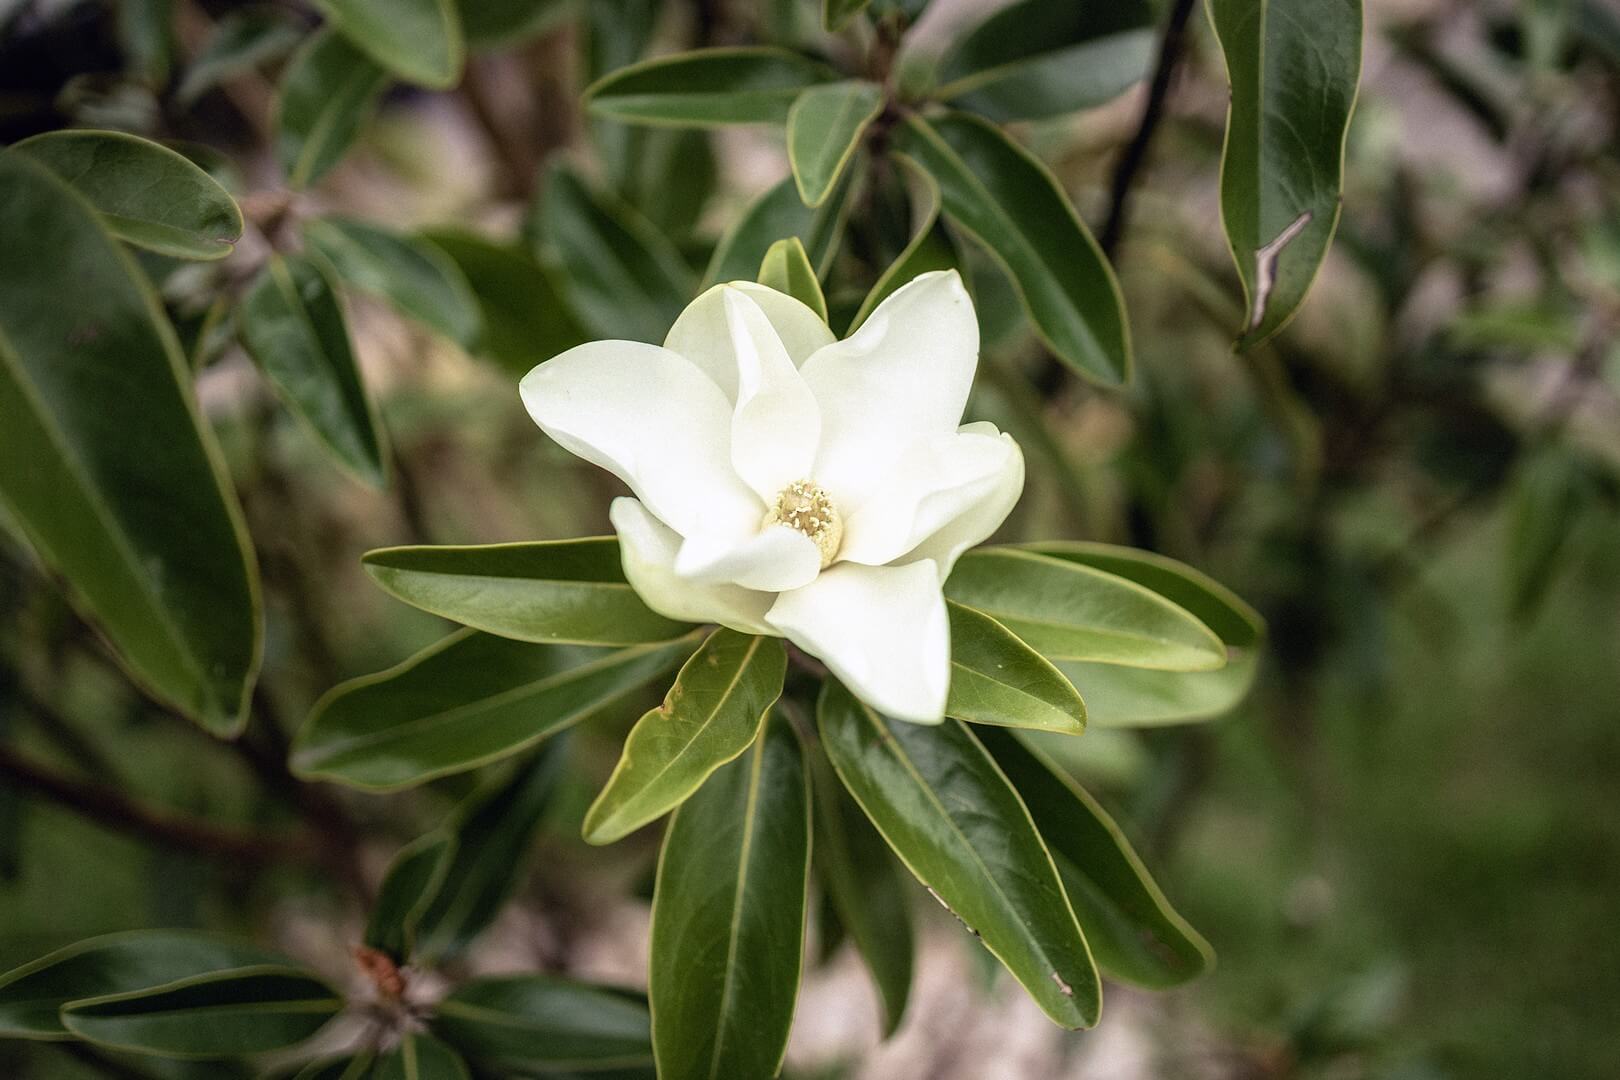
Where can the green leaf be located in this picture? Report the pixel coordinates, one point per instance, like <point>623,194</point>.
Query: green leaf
<point>1293,71</point>
<point>545,1022</point>
<point>524,319</point>
<point>409,886</point>
<point>327,92</point>
<point>707,88</point>
<point>418,40</point>
<point>248,1010</point>
<point>419,1057</point>
<point>1546,497</point>
<point>1067,611</point>
<point>997,679</point>
<point>775,215</point>
<point>1134,933</point>
<point>623,278</point>
<point>566,591</point>
<point>824,128</point>
<point>348,1068</point>
<point>951,816</point>
<point>1005,198</point>
<point>786,268</point>
<point>835,14</point>
<point>667,175</point>
<point>466,701</point>
<point>488,24</point>
<point>146,194</point>
<point>106,467</point>
<point>713,713</point>
<point>1036,59</point>
<point>32,996</point>
<point>292,325</point>
<point>417,278</point>
<point>145,29</point>
<point>930,247</point>
<point>241,41</point>
<point>728,916</point>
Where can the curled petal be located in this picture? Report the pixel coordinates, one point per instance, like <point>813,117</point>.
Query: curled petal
<point>774,559</point>
<point>701,334</point>
<point>776,426</point>
<point>648,548</point>
<point>984,516</point>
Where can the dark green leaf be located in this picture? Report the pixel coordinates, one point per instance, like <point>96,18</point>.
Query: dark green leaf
<point>417,278</point>
<point>348,1068</point>
<point>1133,931</point>
<point>293,326</point>
<point>786,268</point>
<point>666,174</point>
<point>997,679</point>
<point>146,194</point>
<point>1547,496</point>
<point>728,916</point>
<point>493,23</point>
<point>953,819</point>
<point>409,886</point>
<point>545,1022</point>
<point>145,31</point>
<point>419,1057</point>
<point>105,465</point>
<point>707,88</point>
<point>712,713</point>
<point>824,128</point>
<point>328,90</point>
<point>241,40</point>
<point>775,215</point>
<point>570,591</point>
<point>1293,70</point>
<point>930,247</point>
<point>836,13</point>
<point>418,40</point>
<point>467,701</point>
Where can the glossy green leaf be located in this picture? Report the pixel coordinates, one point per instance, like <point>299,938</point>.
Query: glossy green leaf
<point>1293,70</point>
<point>786,268</point>
<point>1067,611</point>
<point>835,14</point>
<point>775,215</point>
<point>146,194</point>
<point>105,465</point>
<point>930,247</point>
<point>951,816</point>
<point>707,88</point>
<point>413,275</point>
<point>409,886</point>
<point>622,277</point>
<point>824,128</point>
<point>293,326</point>
<point>32,995</point>
<point>568,591</point>
<point>329,89</point>
<point>1036,59</point>
<point>545,1022</point>
<point>667,175</point>
<point>1134,933</point>
<point>997,679</point>
<point>1000,193</point>
<point>524,318</point>
<point>728,916</point>
<point>242,40</point>
<point>489,24</point>
<point>466,701</point>
<point>419,1056</point>
<point>712,713</point>
<point>418,40</point>
<point>243,1011</point>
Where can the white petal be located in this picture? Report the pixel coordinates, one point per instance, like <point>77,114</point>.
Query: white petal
<point>655,421</point>
<point>880,629</point>
<point>775,558</point>
<point>700,333</point>
<point>776,426</point>
<point>903,376</point>
<point>975,524</point>
<point>648,546</point>
<point>955,485</point>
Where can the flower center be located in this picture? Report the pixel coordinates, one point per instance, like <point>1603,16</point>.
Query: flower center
<point>805,506</point>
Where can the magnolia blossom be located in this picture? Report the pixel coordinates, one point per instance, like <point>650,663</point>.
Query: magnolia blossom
<point>790,484</point>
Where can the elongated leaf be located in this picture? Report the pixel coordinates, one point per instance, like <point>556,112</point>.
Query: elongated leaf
<point>949,813</point>
<point>146,194</point>
<point>623,278</point>
<point>413,275</point>
<point>1294,70</point>
<point>31,996</point>
<point>243,1011</point>
<point>418,40</point>
<point>412,881</point>
<point>930,247</point>
<point>728,916</point>
<point>707,88</point>
<point>566,591</point>
<point>419,1057</point>
<point>1133,931</point>
<point>523,316</point>
<point>546,1022</point>
<point>1035,59</point>
<point>242,40</point>
<point>293,326</point>
<point>1007,199</point>
<point>786,268</point>
<point>1067,611</point>
<point>667,175</point>
<point>105,465</point>
<point>328,90</point>
<point>824,127</point>
<point>775,215</point>
<point>712,713</point>
<point>467,701</point>
<point>347,1068</point>
<point>835,14</point>
<point>997,679</point>
<point>487,24</point>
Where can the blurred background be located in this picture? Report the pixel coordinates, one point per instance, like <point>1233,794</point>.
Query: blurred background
<point>1404,845</point>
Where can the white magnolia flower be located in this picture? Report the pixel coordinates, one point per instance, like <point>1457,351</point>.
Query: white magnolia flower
<point>790,484</point>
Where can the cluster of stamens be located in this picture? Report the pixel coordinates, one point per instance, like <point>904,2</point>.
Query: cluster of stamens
<point>804,506</point>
